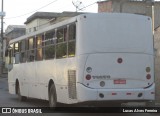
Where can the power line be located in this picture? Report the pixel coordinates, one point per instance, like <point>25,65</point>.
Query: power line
<point>69,14</point>
<point>33,11</point>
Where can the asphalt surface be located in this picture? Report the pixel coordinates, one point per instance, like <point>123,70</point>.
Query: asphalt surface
<point>9,100</point>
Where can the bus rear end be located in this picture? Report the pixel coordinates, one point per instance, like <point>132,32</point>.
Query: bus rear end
<point>115,57</point>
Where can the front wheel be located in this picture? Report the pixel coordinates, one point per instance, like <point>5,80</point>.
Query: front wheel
<point>52,97</point>
<point>20,97</point>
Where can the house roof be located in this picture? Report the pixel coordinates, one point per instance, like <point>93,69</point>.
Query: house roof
<point>50,15</point>
<point>10,28</point>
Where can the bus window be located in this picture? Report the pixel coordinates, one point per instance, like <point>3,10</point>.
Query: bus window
<point>22,46</point>
<point>23,57</point>
<point>27,46</point>
<point>60,36</point>
<point>49,49</point>
<point>61,50</point>
<point>16,47</point>
<point>31,43</point>
<point>65,34</point>
<point>49,38</point>
<point>72,32</point>
<point>30,56</point>
<point>39,50</point>
<point>39,41</point>
<point>49,52</point>
<point>10,54</point>
<point>61,47</point>
<point>22,51</point>
<point>72,40</point>
<point>39,54</point>
<point>31,53</point>
<point>16,52</point>
<point>71,48</point>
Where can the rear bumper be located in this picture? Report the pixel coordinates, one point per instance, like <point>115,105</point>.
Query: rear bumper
<point>87,94</point>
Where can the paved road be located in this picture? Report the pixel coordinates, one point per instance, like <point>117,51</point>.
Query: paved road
<point>8,100</point>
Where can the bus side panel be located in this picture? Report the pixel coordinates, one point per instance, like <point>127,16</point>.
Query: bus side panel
<point>43,73</point>
<point>62,67</point>
<point>11,83</point>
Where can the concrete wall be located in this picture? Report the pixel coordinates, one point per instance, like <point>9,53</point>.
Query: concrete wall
<point>157,61</point>
<point>30,26</point>
<point>125,6</point>
<point>105,6</point>
<point>43,23</point>
<point>36,25</point>
<point>157,14</point>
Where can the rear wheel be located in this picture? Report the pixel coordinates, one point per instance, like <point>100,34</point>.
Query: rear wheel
<point>52,97</point>
<point>20,97</point>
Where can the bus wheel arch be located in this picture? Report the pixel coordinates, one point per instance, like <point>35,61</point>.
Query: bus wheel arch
<point>52,95</point>
<point>18,92</point>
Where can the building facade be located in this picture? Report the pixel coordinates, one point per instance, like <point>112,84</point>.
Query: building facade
<point>157,60</point>
<point>12,32</point>
<point>40,20</point>
<point>142,7</point>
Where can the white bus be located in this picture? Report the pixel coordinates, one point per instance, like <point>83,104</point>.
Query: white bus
<point>90,57</point>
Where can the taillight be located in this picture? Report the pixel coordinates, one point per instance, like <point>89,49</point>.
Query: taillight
<point>114,93</point>
<point>88,77</point>
<point>148,76</point>
<point>119,60</point>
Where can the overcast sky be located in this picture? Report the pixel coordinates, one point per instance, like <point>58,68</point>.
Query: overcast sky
<point>17,11</point>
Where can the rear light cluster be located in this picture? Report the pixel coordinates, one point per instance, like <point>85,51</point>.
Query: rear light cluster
<point>88,70</point>
<point>88,77</point>
<point>148,76</point>
<point>119,60</point>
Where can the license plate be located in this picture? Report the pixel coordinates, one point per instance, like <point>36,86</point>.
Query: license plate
<point>120,81</point>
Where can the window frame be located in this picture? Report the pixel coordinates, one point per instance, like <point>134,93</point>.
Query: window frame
<point>52,42</point>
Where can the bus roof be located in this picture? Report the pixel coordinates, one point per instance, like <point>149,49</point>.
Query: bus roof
<point>68,21</point>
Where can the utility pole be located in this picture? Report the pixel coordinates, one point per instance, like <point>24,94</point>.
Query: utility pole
<point>77,4</point>
<point>153,15</point>
<point>1,62</point>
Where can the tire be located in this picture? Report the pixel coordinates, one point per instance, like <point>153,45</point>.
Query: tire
<point>52,97</point>
<point>20,98</point>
